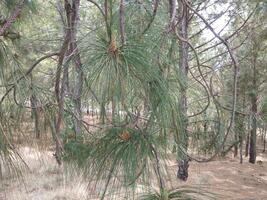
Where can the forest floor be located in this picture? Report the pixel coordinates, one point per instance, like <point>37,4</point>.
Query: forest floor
<point>46,181</point>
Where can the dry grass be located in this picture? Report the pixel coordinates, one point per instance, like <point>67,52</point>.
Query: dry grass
<point>45,180</point>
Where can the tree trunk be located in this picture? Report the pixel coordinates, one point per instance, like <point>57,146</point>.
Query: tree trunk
<point>237,134</point>
<point>78,67</point>
<point>247,145</point>
<point>35,116</point>
<point>253,136</point>
<point>183,65</point>
<point>60,89</point>
<point>240,134</point>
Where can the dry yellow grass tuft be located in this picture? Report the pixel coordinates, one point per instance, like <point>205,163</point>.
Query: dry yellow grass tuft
<point>45,180</point>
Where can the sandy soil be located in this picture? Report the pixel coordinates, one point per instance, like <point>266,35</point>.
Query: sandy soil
<point>226,178</point>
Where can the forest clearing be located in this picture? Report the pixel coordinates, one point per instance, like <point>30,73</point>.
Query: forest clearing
<point>133,99</point>
<point>45,180</point>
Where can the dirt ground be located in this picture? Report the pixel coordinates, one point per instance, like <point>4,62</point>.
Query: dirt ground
<point>46,181</point>
<point>230,179</point>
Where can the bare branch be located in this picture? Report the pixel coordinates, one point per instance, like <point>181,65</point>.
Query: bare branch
<point>235,64</point>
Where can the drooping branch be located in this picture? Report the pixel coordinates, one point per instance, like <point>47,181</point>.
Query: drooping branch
<point>98,6</point>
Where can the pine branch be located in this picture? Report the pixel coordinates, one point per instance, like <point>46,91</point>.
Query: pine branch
<point>12,18</point>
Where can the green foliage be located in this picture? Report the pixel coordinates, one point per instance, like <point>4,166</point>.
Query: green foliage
<point>136,86</point>
<point>264,110</point>
<point>120,152</point>
<point>76,150</point>
<point>10,161</point>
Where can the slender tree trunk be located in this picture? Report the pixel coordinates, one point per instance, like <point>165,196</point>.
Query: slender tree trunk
<point>78,67</point>
<point>35,114</point>
<point>248,135</point>
<point>241,149</point>
<point>183,65</point>
<point>247,145</point>
<point>236,139</point>
<point>238,128</point>
<point>60,86</point>
<point>237,131</point>
<point>241,132</point>
<point>253,136</point>
<point>236,145</point>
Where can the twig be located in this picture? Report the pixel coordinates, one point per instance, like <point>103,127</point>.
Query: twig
<point>26,74</point>
<point>98,6</point>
